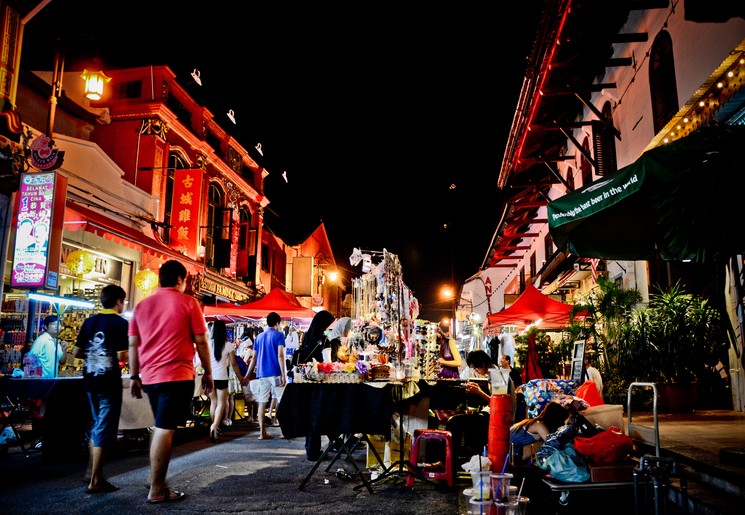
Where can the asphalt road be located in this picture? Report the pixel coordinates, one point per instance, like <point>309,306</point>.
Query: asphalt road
<point>241,474</point>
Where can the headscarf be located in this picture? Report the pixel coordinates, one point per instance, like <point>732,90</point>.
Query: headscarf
<point>315,334</point>
<point>341,326</point>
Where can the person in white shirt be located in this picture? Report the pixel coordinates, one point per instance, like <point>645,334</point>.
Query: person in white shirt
<point>593,374</point>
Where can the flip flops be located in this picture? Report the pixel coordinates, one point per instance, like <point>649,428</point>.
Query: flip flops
<point>105,488</point>
<point>171,496</point>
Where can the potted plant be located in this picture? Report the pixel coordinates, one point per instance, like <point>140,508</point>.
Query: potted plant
<point>674,338</point>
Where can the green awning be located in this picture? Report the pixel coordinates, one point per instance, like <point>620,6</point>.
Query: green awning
<point>684,199</point>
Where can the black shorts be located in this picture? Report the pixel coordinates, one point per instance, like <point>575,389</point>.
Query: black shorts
<point>170,402</point>
<point>221,384</point>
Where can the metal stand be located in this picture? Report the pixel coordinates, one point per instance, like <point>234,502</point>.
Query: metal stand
<point>342,441</point>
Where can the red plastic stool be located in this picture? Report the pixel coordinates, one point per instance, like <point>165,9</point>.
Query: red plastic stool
<point>445,473</point>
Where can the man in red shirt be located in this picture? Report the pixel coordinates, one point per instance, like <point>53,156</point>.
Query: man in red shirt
<point>162,333</point>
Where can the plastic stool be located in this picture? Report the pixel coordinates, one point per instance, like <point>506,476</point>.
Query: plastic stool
<point>434,435</point>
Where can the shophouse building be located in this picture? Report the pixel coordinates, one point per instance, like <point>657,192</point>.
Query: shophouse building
<point>603,84</point>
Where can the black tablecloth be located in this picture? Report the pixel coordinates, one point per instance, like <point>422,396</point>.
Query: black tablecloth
<point>65,413</point>
<point>331,408</point>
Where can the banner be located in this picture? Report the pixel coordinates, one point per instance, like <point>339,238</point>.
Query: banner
<point>185,210</point>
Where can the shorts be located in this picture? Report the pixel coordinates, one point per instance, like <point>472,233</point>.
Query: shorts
<point>221,384</point>
<point>106,407</point>
<point>267,386</point>
<point>170,402</point>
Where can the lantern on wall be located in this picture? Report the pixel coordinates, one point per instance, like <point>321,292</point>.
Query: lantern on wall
<point>146,280</point>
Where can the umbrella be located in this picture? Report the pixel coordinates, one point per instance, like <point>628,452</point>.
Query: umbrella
<point>678,199</point>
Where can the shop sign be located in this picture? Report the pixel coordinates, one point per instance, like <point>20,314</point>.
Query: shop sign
<point>44,156</point>
<point>40,208</point>
<point>185,210</point>
<point>106,269</point>
<point>207,285</point>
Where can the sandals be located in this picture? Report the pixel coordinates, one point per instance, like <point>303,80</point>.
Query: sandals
<point>171,496</point>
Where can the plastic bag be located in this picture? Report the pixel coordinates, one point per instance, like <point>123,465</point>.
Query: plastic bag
<point>589,392</point>
<point>563,464</point>
<point>607,446</point>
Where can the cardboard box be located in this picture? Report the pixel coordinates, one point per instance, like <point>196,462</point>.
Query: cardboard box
<point>611,472</point>
<point>605,415</point>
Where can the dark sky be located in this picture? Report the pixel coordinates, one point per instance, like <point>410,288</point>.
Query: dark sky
<point>373,110</point>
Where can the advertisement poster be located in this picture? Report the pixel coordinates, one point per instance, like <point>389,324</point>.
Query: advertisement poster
<point>31,250</point>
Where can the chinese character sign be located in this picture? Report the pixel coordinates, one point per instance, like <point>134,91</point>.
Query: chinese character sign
<point>187,194</point>
<point>33,227</point>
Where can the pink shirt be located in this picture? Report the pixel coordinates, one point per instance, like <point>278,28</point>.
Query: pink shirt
<point>165,322</point>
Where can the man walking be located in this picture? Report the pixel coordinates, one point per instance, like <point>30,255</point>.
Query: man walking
<point>162,334</point>
<point>102,343</point>
<point>270,367</point>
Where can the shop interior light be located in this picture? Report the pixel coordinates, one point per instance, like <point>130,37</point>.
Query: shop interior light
<point>64,301</point>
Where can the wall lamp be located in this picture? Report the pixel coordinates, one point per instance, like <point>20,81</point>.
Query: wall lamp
<point>95,80</point>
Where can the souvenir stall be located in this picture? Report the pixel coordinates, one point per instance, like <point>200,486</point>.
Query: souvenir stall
<point>384,313</point>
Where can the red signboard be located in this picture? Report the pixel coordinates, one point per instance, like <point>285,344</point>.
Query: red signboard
<point>39,217</point>
<point>187,195</point>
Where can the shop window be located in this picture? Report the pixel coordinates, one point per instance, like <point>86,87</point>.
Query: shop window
<point>662,81</point>
<point>532,267</point>
<point>265,263</point>
<point>570,178</point>
<point>548,245</point>
<point>175,162</point>
<point>131,89</point>
<point>522,279</point>
<point>214,223</point>
<point>585,167</point>
<point>605,144</point>
<point>244,251</point>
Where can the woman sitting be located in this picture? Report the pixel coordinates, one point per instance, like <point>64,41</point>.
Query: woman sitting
<point>527,436</point>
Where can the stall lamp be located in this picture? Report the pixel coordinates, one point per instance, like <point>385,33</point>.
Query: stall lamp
<point>65,301</point>
<point>94,83</point>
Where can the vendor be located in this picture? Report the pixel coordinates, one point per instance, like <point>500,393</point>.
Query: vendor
<point>450,360</point>
<point>527,436</point>
<point>479,367</point>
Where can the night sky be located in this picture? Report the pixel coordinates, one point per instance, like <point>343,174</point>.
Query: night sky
<point>390,122</point>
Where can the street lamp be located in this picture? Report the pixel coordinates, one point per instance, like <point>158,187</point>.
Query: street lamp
<point>448,293</point>
<point>95,80</point>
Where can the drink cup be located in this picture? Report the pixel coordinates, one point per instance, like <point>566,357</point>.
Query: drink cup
<point>480,507</point>
<point>522,504</point>
<point>481,485</point>
<point>509,507</point>
<point>500,486</point>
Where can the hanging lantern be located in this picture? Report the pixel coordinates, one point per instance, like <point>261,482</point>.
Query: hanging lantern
<point>80,262</point>
<point>146,280</point>
<point>94,83</point>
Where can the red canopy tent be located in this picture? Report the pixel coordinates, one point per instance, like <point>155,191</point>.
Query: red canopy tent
<point>531,307</point>
<point>280,301</point>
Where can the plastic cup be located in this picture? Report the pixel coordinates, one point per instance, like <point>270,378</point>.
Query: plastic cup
<point>522,504</point>
<point>510,507</point>
<point>481,485</point>
<point>500,486</point>
<point>480,507</point>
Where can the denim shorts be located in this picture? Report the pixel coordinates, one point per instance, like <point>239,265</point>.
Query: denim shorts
<point>106,407</point>
<point>170,402</point>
